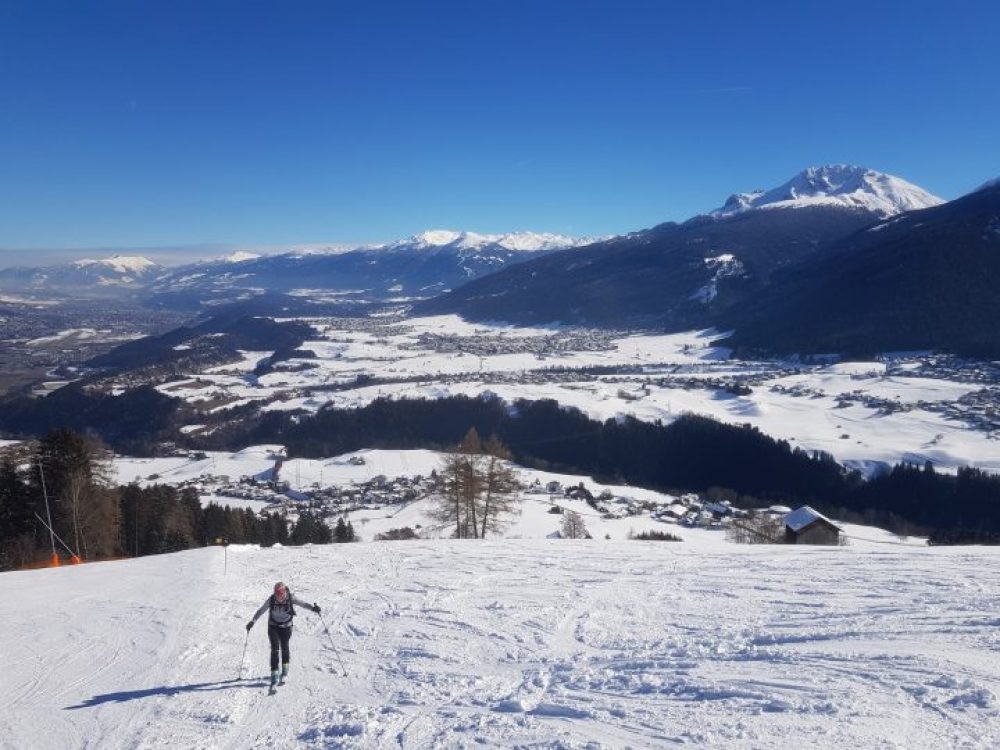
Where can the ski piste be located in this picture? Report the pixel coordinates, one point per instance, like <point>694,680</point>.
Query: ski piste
<point>514,642</point>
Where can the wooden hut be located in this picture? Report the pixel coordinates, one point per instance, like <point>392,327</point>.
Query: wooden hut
<point>809,526</point>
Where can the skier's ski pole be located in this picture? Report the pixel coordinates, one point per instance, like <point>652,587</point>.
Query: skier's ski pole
<point>244,657</point>
<point>335,651</point>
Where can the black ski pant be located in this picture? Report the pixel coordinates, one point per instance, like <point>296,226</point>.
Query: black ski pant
<point>279,637</point>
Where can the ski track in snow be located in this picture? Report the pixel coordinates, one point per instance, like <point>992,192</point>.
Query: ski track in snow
<point>511,643</point>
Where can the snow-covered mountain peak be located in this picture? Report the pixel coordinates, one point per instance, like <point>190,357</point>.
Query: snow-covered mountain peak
<point>239,257</point>
<point>123,264</point>
<point>839,185</point>
<point>434,238</point>
<point>513,241</point>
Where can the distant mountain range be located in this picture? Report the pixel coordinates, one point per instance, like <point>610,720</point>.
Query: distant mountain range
<point>421,266</point>
<point>99,276</point>
<point>685,275</point>
<point>837,259</point>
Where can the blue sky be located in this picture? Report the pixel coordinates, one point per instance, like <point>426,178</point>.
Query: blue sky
<point>136,124</point>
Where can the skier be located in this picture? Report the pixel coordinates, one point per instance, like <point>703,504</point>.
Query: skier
<point>279,626</point>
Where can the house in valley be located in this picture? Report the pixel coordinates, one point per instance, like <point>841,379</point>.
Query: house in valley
<point>809,526</point>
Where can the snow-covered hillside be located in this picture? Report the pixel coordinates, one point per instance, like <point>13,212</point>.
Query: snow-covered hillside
<point>511,643</point>
<point>839,185</point>
<point>866,414</point>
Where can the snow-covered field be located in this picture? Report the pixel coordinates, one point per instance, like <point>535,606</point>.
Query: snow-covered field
<point>837,408</point>
<point>512,643</point>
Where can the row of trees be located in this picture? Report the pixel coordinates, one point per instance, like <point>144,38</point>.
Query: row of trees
<point>162,519</point>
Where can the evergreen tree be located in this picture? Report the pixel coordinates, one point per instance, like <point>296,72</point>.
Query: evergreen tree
<point>17,520</point>
<point>340,531</point>
<point>251,525</point>
<point>303,530</point>
<point>192,504</point>
<point>343,532</point>
<point>322,533</point>
<point>274,529</point>
<point>214,523</point>
<point>74,473</point>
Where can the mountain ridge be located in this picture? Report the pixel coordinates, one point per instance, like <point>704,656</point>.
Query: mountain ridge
<point>669,275</point>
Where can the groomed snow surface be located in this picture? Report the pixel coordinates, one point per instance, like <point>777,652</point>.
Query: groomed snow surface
<point>528,643</point>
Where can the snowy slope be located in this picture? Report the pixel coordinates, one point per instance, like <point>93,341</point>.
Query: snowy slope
<point>529,644</point>
<point>838,185</point>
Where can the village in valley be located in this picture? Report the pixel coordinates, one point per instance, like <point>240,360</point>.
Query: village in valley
<point>353,488</point>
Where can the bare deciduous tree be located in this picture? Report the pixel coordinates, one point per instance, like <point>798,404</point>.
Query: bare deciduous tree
<point>756,529</point>
<point>573,526</point>
<point>476,487</point>
<point>500,486</point>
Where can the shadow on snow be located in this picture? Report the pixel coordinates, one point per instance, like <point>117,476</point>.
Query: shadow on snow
<point>166,690</point>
